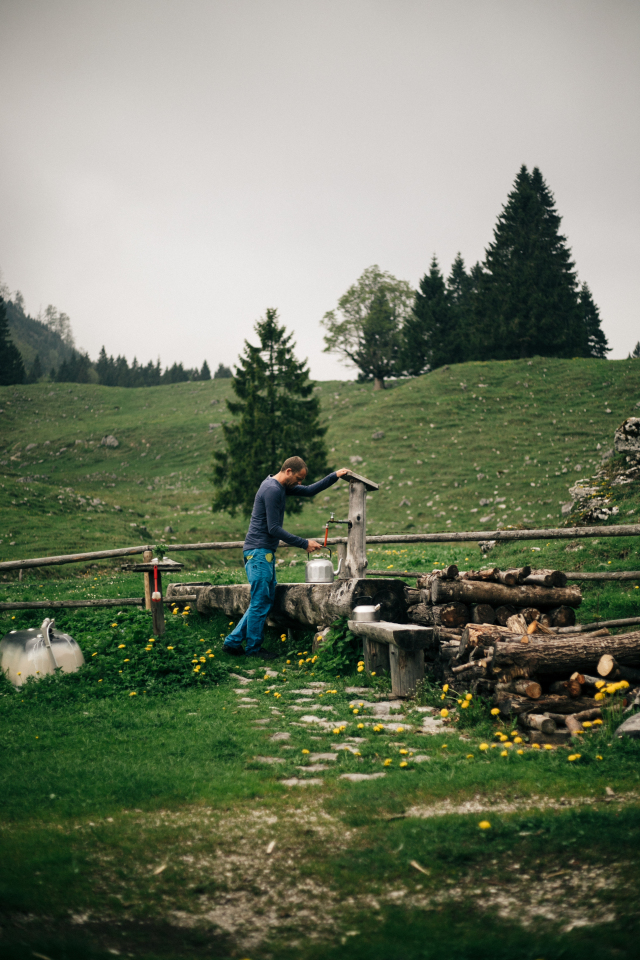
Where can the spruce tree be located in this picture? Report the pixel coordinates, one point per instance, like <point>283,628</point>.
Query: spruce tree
<point>11,365</point>
<point>594,341</point>
<point>205,373</point>
<point>277,416</point>
<point>429,340</point>
<point>377,352</point>
<point>528,294</point>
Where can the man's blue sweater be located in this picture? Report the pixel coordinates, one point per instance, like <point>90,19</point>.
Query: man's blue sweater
<point>266,530</point>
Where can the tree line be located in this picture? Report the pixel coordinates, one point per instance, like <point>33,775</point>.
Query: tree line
<point>53,333</point>
<point>523,300</point>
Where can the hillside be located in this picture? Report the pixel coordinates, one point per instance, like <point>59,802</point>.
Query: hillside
<point>514,434</point>
<point>34,338</point>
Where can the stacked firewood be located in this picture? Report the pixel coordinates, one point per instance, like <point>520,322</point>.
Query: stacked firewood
<point>538,670</point>
<point>451,599</point>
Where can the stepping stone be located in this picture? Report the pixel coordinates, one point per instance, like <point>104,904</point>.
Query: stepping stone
<point>305,700</point>
<point>362,704</point>
<point>357,690</point>
<point>236,676</point>
<point>433,725</point>
<point>328,709</point>
<point>420,758</point>
<point>280,736</point>
<point>241,690</point>
<point>246,706</point>
<point>356,777</point>
<point>299,709</point>
<point>305,692</point>
<point>430,710</point>
<point>277,713</point>
<point>295,782</point>
<point>314,757</point>
<point>314,768</point>
<point>318,684</point>
<point>261,723</point>
<point>386,706</point>
<point>270,759</point>
<point>398,727</point>
<point>249,700</point>
<point>271,673</point>
<point>344,746</point>
<point>310,718</point>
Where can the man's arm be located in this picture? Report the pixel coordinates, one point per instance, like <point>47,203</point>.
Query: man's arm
<point>314,488</point>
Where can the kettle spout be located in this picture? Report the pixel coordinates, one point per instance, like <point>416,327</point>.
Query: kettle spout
<point>377,607</point>
<point>339,567</point>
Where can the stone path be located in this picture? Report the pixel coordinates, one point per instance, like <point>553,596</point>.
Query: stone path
<point>310,708</point>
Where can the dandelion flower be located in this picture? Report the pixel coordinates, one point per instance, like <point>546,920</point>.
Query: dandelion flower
<point>483,746</point>
<point>373,673</point>
<point>114,624</point>
<point>494,712</point>
<point>572,757</point>
<point>305,751</point>
<point>597,723</point>
<point>517,739</point>
<point>388,762</point>
<point>520,752</point>
<point>587,724</point>
<point>336,731</point>
<point>535,746</point>
<point>121,646</point>
<point>133,694</point>
<point>469,756</point>
<point>548,746</point>
<point>403,763</point>
<point>169,648</point>
<point>399,729</point>
<point>355,712</point>
<point>361,726</point>
<point>464,704</point>
<point>444,712</point>
<point>126,660</point>
<point>504,753</point>
<point>360,669</point>
<point>444,746</point>
<point>443,696</point>
<point>469,696</point>
<point>598,757</point>
<point>484,825</point>
<point>445,687</point>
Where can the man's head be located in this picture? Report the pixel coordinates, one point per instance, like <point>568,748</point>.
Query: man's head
<point>293,471</point>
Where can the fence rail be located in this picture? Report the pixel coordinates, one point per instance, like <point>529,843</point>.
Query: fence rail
<point>500,536</point>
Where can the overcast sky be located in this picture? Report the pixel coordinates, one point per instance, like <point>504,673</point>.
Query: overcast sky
<point>168,170</point>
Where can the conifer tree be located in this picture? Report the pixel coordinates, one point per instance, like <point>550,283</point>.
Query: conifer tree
<point>277,416</point>
<point>528,295</point>
<point>205,373</point>
<point>429,339</point>
<point>377,352</point>
<point>594,341</point>
<point>11,365</point>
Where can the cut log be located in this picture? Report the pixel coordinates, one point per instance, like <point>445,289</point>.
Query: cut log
<point>421,613</point>
<point>356,564</point>
<point>530,614</point>
<point>310,604</point>
<point>526,688</point>
<point>496,594</point>
<point>413,597</point>
<point>482,613</point>
<point>547,578</point>
<point>147,557</point>
<point>563,616</point>
<point>513,705</point>
<point>503,613</point>
<point>513,577</point>
<point>573,725</point>
<point>517,624</point>
<point>609,668</point>
<point>585,680</point>
<point>563,655</point>
<point>536,626</point>
<point>566,688</point>
<point>64,604</point>
<point>487,574</point>
<point>588,627</point>
<point>475,668</point>
<point>537,721</point>
<point>545,620</point>
<point>451,614</point>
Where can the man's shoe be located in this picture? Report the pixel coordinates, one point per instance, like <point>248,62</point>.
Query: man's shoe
<point>233,651</point>
<point>264,655</point>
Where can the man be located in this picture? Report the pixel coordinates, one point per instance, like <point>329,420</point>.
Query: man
<point>264,534</point>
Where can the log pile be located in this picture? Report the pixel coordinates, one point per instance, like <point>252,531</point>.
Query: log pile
<point>451,599</point>
<point>549,684</point>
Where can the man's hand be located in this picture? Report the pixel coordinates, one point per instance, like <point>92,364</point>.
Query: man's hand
<point>313,546</point>
<point>341,473</point>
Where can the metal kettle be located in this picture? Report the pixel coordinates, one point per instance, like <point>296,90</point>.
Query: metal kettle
<point>366,612</point>
<point>320,570</point>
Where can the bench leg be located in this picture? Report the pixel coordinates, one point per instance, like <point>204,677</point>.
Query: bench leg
<point>406,669</point>
<point>376,657</point>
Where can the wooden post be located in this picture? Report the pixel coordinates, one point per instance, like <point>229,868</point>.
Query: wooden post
<point>147,557</point>
<point>407,667</point>
<point>357,537</point>
<point>376,656</point>
<point>356,564</point>
<point>157,610</point>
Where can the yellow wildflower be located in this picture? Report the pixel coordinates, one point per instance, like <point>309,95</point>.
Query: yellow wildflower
<point>504,753</point>
<point>403,763</point>
<point>494,711</point>
<point>484,825</point>
<point>483,746</point>
<point>469,696</point>
<point>305,751</point>
<point>388,762</point>
<point>444,712</point>
<point>445,687</point>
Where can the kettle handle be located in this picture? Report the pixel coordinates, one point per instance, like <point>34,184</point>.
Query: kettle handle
<point>328,548</point>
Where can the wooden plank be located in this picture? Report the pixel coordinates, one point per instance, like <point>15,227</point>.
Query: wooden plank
<point>147,556</point>
<point>376,656</point>
<point>408,636</point>
<point>351,476</point>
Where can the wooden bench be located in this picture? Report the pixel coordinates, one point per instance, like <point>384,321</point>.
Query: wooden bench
<point>397,648</point>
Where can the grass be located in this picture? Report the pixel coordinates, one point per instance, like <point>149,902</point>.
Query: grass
<point>140,824</point>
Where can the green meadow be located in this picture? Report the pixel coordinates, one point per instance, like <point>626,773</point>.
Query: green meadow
<point>153,810</point>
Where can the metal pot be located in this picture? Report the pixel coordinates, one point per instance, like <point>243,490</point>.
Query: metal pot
<point>366,613</point>
<point>320,570</point>
<point>35,653</point>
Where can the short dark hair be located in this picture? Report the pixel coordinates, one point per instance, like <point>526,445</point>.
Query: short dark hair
<point>296,464</point>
